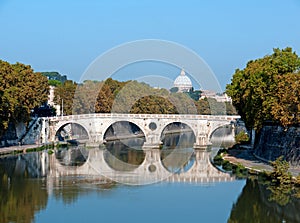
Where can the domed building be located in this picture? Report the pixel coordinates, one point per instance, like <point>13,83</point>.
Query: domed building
<point>183,82</point>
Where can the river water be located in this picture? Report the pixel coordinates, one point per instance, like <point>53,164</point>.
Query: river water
<point>122,183</point>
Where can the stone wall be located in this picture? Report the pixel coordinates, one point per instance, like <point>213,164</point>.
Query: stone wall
<point>13,134</point>
<point>19,133</point>
<point>275,141</point>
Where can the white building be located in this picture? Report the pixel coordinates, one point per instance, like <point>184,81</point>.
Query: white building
<point>51,100</point>
<point>183,82</point>
<point>219,97</point>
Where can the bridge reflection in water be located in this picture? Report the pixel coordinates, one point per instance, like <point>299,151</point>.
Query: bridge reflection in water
<point>137,167</point>
<point>182,165</point>
<point>125,161</point>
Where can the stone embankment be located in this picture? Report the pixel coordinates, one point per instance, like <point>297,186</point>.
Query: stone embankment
<point>273,142</point>
<point>276,141</point>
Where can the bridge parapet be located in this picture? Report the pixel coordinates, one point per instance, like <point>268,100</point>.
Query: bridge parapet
<point>147,116</point>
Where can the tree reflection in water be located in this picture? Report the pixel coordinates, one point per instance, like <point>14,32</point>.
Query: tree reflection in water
<point>262,203</point>
<point>24,190</point>
<point>20,199</point>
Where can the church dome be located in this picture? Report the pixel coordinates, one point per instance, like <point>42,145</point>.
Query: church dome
<point>183,82</point>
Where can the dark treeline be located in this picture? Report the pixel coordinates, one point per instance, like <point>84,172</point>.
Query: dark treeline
<point>132,97</point>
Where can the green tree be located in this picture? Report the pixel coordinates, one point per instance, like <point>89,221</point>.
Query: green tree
<point>54,83</point>
<point>153,105</point>
<point>255,90</point>
<point>65,94</point>
<point>241,137</point>
<point>183,103</point>
<point>105,99</point>
<point>55,76</point>
<point>195,95</point>
<point>203,107</point>
<point>174,90</point>
<point>281,174</point>
<point>21,90</point>
<point>286,103</point>
<point>85,97</point>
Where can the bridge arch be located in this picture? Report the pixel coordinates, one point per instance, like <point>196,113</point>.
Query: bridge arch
<point>84,129</point>
<point>184,127</point>
<point>131,128</point>
<point>217,127</point>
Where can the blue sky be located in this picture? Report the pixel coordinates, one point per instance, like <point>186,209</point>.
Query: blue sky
<point>67,35</point>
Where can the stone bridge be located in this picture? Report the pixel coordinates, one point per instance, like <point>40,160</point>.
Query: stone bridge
<point>151,125</point>
<point>151,170</point>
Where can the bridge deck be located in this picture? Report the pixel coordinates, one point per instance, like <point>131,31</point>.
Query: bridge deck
<point>165,116</point>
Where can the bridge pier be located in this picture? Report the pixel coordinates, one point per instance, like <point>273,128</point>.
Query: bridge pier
<point>202,141</point>
<point>152,142</point>
<point>151,146</point>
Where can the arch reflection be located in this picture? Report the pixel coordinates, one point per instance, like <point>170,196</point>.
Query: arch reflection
<point>73,156</point>
<point>122,157</point>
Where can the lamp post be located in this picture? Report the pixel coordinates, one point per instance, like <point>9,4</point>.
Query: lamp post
<point>62,107</point>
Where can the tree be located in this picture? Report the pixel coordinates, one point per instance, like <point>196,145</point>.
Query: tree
<point>195,95</point>
<point>21,90</point>
<point>65,94</point>
<point>280,174</point>
<point>257,90</point>
<point>104,100</point>
<point>286,103</point>
<point>203,107</point>
<point>54,83</point>
<point>183,103</point>
<point>174,90</point>
<point>55,76</point>
<point>85,97</point>
<point>107,94</point>
<point>153,105</point>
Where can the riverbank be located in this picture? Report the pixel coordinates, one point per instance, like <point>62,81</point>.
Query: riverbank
<point>246,157</point>
<point>18,149</point>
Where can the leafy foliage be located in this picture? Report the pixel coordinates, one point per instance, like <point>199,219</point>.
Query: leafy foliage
<point>54,83</point>
<point>195,95</point>
<point>281,174</point>
<point>85,97</point>
<point>133,97</point>
<point>55,76</point>
<point>268,89</point>
<point>64,94</point>
<point>153,105</point>
<point>241,137</point>
<point>21,90</point>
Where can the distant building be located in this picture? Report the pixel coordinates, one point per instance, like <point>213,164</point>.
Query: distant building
<point>183,82</point>
<point>219,97</point>
<point>51,100</point>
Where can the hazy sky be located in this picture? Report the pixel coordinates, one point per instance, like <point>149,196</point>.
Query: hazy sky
<point>67,35</point>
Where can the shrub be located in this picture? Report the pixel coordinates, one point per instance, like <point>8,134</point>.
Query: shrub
<point>280,174</point>
<point>241,137</point>
<point>218,160</point>
<point>226,165</point>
